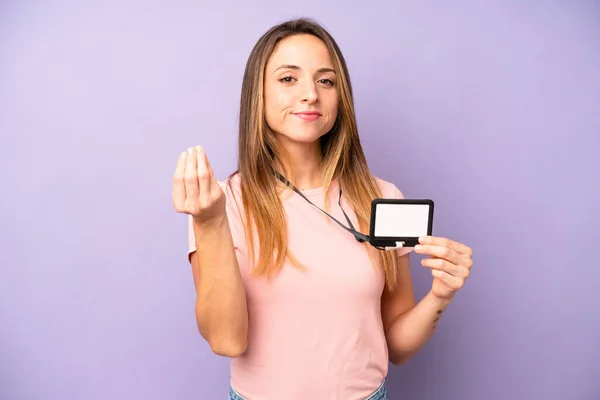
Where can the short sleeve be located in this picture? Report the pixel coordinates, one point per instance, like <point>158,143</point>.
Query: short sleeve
<point>236,226</point>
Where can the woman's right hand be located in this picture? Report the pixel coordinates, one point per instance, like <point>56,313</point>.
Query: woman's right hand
<point>195,190</point>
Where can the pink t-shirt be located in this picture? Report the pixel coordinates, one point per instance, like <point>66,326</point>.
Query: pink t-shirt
<point>314,334</point>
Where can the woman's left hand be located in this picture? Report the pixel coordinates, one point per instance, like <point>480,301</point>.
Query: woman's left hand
<point>450,263</point>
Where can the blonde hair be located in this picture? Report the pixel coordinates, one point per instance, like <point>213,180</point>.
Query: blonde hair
<point>259,151</point>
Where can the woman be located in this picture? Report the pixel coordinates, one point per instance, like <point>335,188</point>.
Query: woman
<point>304,310</point>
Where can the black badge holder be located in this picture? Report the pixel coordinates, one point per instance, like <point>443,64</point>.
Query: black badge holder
<point>400,222</point>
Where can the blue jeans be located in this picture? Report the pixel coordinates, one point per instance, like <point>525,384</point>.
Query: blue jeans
<point>380,394</point>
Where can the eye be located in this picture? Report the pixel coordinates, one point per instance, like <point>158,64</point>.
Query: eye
<point>327,82</point>
<point>286,79</point>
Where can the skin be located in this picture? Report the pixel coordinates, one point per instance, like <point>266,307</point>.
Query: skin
<point>221,308</point>
<point>299,77</point>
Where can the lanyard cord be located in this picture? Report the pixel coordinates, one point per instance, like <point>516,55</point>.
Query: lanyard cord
<point>359,236</point>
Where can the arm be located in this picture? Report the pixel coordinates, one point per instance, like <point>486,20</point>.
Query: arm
<point>408,326</point>
<point>221,311</point>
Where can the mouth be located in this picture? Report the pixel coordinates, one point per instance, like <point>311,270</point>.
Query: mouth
<point>308,115</point>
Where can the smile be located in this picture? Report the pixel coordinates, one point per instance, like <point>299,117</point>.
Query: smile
<point>309,115</point>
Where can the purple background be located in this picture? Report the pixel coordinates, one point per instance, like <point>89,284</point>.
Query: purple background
<point>489,108</point>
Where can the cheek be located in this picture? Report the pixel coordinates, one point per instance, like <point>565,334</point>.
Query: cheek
<point>333,109</point>
<point>284,100</point>
<point>277,103</point>
<point>270,104</point>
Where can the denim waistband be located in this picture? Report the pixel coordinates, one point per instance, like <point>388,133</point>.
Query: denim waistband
<point>379,394</point>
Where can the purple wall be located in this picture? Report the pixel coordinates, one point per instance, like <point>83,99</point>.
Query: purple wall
<point>491,109</point>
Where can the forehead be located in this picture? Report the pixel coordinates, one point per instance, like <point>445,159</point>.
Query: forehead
<point>305,51</point>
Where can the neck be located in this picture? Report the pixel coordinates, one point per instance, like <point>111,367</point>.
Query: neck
<point>305,164</point>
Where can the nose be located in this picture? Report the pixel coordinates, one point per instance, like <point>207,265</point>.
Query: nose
<point>309,93</point>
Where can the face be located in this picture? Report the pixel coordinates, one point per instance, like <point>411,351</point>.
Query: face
<point>301,99</point>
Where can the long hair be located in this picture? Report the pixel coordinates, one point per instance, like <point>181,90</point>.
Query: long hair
<point>259,151</point>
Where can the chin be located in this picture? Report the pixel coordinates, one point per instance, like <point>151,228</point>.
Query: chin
<point>306,137</point>
<point>303,135</point>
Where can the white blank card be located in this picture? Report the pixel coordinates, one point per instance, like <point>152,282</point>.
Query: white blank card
<point>401,220</point>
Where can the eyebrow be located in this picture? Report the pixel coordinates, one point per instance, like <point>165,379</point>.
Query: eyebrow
<point>295,67</point>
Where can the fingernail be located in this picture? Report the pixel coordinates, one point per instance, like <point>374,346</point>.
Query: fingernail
<point>190,151</point>
<point>418,247</point>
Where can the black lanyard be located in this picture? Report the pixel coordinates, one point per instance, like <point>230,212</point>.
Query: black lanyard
<point>359,236</point>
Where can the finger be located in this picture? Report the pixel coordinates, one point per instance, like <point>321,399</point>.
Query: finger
<point>205,178</point>
<point>213,179</point>
<point>191,176</point>
<point>443,265</point>
<point>445,253</point>
<point>452,282</point>
<point>179,183</point>
<point>205,175</point>
<point>440,241</point>
<point>201,150</point>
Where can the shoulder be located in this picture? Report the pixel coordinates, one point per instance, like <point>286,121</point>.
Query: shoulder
<point>232,182</point>
<point>388,189</point>
<point>231,187</point>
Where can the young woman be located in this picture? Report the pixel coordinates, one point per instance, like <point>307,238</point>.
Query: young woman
<point>304,310</point>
